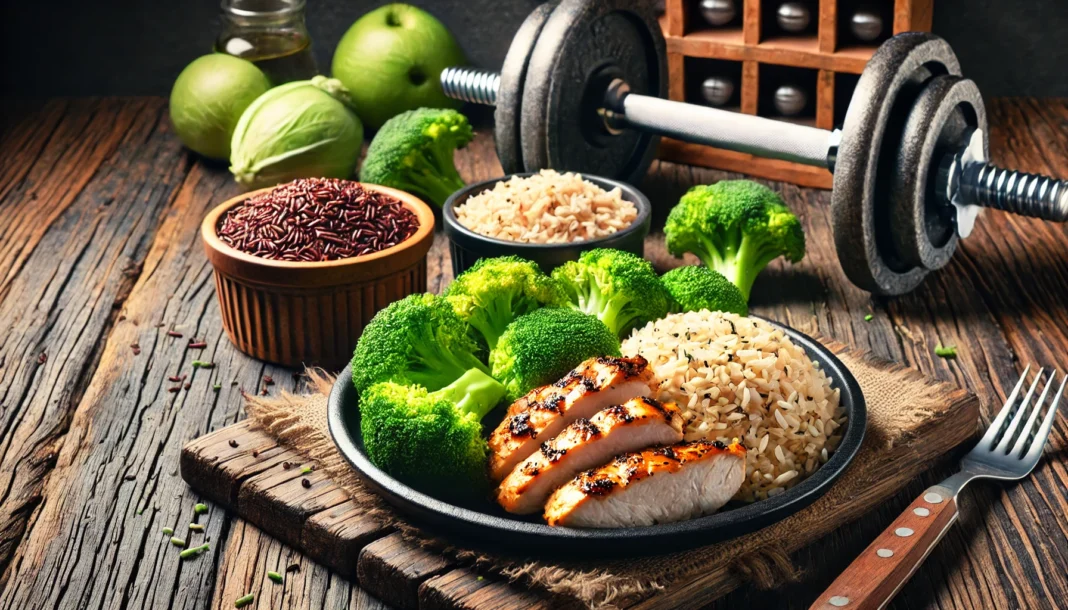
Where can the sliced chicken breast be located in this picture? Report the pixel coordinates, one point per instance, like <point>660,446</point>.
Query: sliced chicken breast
<point>541,414</point>
<point>655,486</point>
<point>636,424</point>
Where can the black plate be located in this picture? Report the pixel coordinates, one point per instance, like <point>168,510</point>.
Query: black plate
<point>481,522</point>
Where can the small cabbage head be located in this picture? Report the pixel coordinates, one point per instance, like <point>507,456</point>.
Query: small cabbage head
<point>208,98</point>
<point>303,129</point>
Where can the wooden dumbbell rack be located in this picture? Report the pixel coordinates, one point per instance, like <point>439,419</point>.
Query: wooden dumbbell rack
<point>751,46</point>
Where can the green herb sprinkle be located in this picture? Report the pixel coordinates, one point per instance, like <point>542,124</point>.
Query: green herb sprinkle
<point>193,552</point>
<point>948,351</point>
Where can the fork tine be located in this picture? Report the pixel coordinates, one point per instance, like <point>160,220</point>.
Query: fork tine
<point>1025,432</point>
<point>1003,446</point>
<point>991,433</point>
<point>1035,450</point>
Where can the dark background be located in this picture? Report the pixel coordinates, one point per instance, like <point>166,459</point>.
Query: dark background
<point>138,47</point>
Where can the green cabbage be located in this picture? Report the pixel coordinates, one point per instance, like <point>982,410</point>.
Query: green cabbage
<point>302,129</point>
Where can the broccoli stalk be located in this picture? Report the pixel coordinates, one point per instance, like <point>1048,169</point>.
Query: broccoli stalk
<point>618,287</point>
<point>423,391</point>
<point>413,152</point>
<point>736,227</point>
<point>496,291</point>
<point>613,310</point>
<point>474,392</point>
<point>430,439</point>
<point>416,340</point>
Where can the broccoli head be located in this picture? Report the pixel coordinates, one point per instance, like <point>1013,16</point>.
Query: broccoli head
<point>736,227</point>
<point>542,346</point>
<point>416,340</point>
<point>430,439</point>
<point>620,288</point>
<point>694,287</point>
<point>413,152</point>
<point>496,291</point>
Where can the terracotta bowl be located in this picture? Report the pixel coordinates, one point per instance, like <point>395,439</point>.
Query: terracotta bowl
<point>295,313</point>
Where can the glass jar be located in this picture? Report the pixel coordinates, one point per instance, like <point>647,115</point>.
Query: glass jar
<point>270,34</point>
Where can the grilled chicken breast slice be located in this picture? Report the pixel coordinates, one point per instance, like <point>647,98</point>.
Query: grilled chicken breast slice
<point>585,443</point>
<point>649,487</point>
<point>541,414</point>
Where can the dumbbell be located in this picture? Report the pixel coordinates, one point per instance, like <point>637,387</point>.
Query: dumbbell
<point>582,89</point>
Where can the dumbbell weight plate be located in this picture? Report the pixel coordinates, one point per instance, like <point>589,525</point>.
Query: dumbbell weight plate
<point>866,159</point>
<point>941,122</point>
<point>583,45</point>
<point>510,92</point>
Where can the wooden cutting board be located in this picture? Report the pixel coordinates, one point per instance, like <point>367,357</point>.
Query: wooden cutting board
<point>245,470</point>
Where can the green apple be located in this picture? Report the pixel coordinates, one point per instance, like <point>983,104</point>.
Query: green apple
<point>208,98</point>
<point>391,60</point>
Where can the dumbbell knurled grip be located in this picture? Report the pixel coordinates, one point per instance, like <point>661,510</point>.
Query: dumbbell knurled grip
<point>728,130</point>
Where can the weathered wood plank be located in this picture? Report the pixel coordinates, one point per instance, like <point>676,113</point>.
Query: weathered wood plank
<point>242,468</point>
<point>392,569</point>
<point>110,552</point>
<point>251,553</point>
<point>463,589</point>
<point>80,212</point>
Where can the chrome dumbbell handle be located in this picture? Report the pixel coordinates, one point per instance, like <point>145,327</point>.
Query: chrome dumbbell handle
<point>688,122</point>
<point>979,183</point>
<point>743,133</point>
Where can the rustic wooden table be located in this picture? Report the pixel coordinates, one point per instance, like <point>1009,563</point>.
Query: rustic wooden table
<point>100,257</point>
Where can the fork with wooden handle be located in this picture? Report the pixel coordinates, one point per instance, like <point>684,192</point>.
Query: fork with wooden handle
<point>1008,451</point>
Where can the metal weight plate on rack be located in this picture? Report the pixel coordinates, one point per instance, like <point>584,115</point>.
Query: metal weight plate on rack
<point>942,121</point>
<point>583,46</point>
<point>510,91</point>
<point>866,159</point>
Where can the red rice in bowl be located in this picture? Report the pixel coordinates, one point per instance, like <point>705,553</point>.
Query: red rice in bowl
<point>547,208</point>
<point>739,377</point>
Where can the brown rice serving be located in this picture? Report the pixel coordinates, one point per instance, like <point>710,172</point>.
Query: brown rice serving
<point>547,207</point>
<point>739,377</point>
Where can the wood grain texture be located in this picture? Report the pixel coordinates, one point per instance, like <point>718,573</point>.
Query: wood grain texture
<point>1001,301</point>
<point>393,569</point>
<point>81,200</point>
<point>244,470</point>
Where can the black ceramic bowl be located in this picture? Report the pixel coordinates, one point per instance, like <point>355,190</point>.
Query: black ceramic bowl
<point>478,521</point>
<point>466,246</point>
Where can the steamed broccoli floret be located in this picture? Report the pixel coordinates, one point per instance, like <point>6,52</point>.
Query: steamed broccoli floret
<point>542,346</point>
<point>416,340</point>
<point>413,152</point>
<point>694,287</point>
<point>618,287</point>
<point>736,227</point>
<point>430,439</point>
<point>496,291</point>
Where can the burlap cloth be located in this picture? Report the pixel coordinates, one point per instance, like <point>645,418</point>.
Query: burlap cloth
<point>897,400</point>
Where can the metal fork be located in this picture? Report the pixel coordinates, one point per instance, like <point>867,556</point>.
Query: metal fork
<point>1009,450</point>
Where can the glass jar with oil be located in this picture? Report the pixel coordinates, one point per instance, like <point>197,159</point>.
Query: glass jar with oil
<point>271,34</point>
